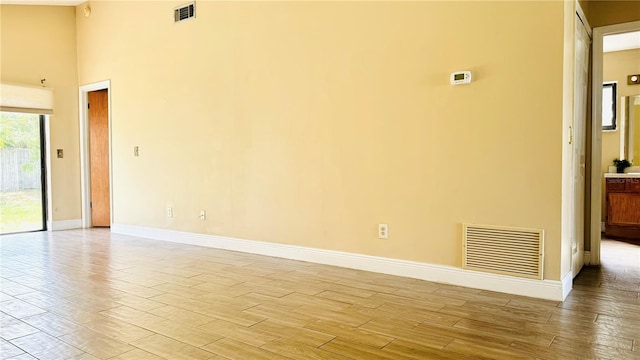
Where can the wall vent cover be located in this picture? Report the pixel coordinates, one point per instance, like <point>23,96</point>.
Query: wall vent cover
<point>503,250</point>
<point>184,12</point>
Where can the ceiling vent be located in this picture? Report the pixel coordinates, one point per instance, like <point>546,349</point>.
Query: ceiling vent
<point>184,12</point>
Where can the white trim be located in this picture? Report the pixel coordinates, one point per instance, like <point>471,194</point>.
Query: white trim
<point>66,224</point>
<point>545,289</point>
<point>587,257</point>
<point>84,150</point>
<point>583,18</point>
<point>48,185</point>
<point>567,285</point>
<point>42,2</point>
<point>596,131</point>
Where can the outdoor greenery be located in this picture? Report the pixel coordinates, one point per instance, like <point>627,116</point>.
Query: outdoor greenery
<point>20,211</point>
<point>21,131</point>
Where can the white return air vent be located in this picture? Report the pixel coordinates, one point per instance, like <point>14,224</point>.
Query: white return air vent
<point>503,250</point>
<point>184,12</point>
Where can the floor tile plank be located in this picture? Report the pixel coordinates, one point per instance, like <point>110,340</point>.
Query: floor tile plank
<point>90,294</point>
<point>233,349</point>
<point>171,349</point>
<point>44,346</point>
<point>298,350</point>
<point>11,328</point>
<point>96,344</point>
<point>289,331</point>
<point>351,350</point>
<point>357,335</point>
<point>8,350</point>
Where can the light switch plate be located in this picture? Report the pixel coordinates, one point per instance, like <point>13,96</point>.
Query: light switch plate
<point>60,153</point>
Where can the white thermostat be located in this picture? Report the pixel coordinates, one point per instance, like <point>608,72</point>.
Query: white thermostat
<point>460,77</point>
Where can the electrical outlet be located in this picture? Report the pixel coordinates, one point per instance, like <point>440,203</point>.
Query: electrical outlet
<point>169,212</point>
<point>383,231</point>
<point>203,215</point>
<point>136,151</point>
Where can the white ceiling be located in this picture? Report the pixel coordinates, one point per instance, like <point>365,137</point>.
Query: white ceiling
<point>43,2</point>
<point>624,41</point>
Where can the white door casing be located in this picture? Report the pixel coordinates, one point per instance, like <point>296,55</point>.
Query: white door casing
<point>578,153</point>
<point>84,149</point>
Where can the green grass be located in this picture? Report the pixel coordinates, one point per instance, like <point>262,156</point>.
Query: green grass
<point>20,211</point>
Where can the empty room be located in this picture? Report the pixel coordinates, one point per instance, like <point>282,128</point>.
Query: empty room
<point>319,179</point>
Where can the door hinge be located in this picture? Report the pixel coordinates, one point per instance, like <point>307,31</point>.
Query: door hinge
<point>570,134</point>
<point>88,106</point>
<point>91,204</point>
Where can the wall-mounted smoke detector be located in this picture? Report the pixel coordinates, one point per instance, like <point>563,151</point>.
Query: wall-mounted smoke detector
<point>184,12</point>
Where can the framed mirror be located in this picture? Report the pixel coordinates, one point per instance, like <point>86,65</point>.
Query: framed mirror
<point>630,128</point>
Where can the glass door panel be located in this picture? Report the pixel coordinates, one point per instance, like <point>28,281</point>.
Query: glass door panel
<point>22,173</point>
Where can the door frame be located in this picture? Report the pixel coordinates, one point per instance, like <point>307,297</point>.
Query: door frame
<point>44,164</point>
<point>85,170</point>
<point>596,132</point>
<point>47,160</point>
<point>44,170</point>
<point>579,197</point>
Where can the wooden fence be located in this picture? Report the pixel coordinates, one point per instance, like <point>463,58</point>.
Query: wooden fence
<point>15,172</point>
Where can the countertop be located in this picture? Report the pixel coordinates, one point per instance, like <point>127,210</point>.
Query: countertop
<point>617,175</point>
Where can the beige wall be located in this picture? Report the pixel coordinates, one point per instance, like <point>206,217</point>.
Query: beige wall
<point>615,67</point>
<point>609,12</point>
<point>585,5</point>
<point>40,42</point>
<point>309,123</point>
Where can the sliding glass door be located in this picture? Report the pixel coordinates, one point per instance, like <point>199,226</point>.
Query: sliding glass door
<point>22,173</point>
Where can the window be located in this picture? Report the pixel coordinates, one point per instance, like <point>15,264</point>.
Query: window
<point>609,106</point>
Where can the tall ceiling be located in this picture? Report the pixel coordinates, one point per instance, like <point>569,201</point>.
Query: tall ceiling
<point>42,2</point>
<point>611,43</point>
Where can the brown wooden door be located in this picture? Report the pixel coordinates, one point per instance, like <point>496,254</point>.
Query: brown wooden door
<point>99,157</point>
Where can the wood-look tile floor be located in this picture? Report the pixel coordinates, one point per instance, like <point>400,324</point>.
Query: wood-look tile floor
<point>88,294</point>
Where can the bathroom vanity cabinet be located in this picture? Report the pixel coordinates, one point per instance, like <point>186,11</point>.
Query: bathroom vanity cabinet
<point>622,206</point>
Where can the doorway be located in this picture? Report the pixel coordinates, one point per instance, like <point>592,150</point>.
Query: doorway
<point>597,135</point>
<point>23,196</point>
<point>99,157</point>
<point>95,155</point>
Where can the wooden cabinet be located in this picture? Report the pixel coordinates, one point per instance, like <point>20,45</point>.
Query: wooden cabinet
<point>623,207</point>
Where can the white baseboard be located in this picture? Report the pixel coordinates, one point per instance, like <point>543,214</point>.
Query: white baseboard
<point>567,285</point>
<point>66,225</point>
<point>545,289</point>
